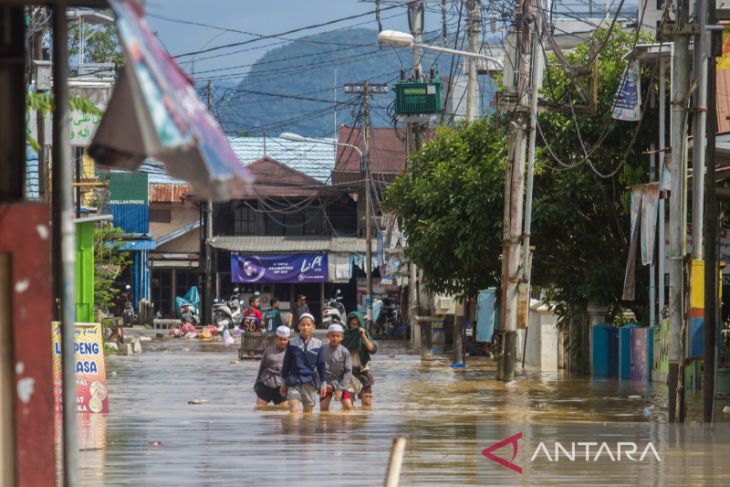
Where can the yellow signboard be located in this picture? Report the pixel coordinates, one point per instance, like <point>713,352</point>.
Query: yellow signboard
<point>91,388</point>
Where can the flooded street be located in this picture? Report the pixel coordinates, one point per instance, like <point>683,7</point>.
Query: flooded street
<point>152,436</point>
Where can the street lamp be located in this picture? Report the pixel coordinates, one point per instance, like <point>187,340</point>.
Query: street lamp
<point>403,39</point>
<point>368,236</point>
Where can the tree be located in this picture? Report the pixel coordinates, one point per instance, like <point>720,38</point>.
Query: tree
<point>450,203</point>
<point>109,262</point>
<point>451,198</point>
<point>101,43</point>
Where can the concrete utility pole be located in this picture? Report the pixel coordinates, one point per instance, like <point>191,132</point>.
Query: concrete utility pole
<point>516,94</point>
<point>366,89</point>
<point>208,291</point>
<point>712,271</point>
<point>415,21</point>
<point>678,211</point>
<point>699,126</point>
<point>472,86</point>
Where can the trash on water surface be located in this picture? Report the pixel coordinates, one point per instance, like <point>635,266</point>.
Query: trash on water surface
<point>154,443</point>
<point>633,397</point>
<point>726,410</point>
<point>234,362</point>
<point>197,401</point>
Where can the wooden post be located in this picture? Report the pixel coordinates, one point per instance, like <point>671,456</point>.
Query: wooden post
<point>392,475</point>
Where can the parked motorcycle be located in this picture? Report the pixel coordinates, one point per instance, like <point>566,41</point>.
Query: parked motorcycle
<point>129,316</point>
<point>333,310</point>
<point>222,316</point>
<point>189,314</point>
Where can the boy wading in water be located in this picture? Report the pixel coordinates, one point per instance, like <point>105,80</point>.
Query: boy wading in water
<point>339,369</point>
<point>268,381</point>
<point>304,371</point>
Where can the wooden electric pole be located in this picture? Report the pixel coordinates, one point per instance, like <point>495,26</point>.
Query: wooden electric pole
<point>366,89</point>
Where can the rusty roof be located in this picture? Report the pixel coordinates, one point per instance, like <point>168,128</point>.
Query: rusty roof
<point>387,152</point>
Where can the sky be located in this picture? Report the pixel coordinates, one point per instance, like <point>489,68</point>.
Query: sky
<point>257,17</point>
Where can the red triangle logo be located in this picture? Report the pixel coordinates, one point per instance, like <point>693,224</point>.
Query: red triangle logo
<point>487,452</point>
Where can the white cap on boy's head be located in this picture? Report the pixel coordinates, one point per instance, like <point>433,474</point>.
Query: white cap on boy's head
<point>306,315</point>
<point>283,332</point>
<point>335,327</point>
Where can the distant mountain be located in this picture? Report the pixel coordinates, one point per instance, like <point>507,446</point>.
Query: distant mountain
<point>293,88</point>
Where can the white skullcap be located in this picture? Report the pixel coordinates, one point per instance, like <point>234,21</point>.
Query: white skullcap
<point>306,315</point>
<point>283,332</point>
<point>336,327</point>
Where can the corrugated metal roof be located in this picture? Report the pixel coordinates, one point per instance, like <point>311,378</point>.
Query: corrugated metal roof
<point>262,245</point>
<point>313,159</point>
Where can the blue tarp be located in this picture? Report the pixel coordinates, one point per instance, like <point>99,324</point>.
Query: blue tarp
<point>487,314</point>
<point>191,297</point>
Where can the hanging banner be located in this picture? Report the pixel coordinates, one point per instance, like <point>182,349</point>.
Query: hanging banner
<point>649,215</point>
<point>627,101</point>
<point>91,388</point>
<point>293,268</point>
<point>629,291</point>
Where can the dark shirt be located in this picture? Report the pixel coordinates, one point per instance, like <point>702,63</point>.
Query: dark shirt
<point>299,310</point>
<point>304,362</point>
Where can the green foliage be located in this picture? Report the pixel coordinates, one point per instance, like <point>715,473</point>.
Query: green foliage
<point>581,220</point>
<point>450,203</point>
<point>109,262</point>
<point>101,46</point>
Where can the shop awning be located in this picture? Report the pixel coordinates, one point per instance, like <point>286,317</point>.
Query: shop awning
<point>269,245</point>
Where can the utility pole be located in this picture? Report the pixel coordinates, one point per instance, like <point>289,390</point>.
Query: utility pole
<point>712,271</point>
<point>678,212</point>
<point>208,291</point>
<point>366,89</point>
<point>516,94</point>
<point>413,144</point>
<point>699,126</point>
<point>472,88</point>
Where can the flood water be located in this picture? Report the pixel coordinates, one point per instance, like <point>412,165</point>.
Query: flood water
<point>152,436</point>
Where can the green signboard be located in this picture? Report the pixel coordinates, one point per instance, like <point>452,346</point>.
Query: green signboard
<point>128,189</point>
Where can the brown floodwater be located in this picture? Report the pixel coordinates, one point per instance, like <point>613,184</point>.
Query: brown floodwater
<point>152,436</point>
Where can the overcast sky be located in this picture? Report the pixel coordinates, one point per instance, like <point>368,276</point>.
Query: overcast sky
<point>258,17</point>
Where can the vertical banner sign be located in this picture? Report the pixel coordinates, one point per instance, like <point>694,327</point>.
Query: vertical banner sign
<point>91,388</point>
<point>627,101</point>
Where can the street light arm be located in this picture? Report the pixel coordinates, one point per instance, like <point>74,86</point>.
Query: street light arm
<point>300,138</point>
<point>460,53</point>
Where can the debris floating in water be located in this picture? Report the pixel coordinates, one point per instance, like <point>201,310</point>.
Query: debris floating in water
<point>634,397</point>
<point>197,401</point>
<point>154,443</point>
<point>234,362</point>
<point>646,411</point>
<point>726,410</point>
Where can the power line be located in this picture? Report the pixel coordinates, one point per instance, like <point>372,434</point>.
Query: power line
<point>260,37</point>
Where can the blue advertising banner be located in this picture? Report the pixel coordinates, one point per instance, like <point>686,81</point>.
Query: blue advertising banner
<point>293,268</point>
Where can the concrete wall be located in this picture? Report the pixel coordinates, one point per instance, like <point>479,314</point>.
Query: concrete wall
<point>543,340</point>
<point>181,214</point>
